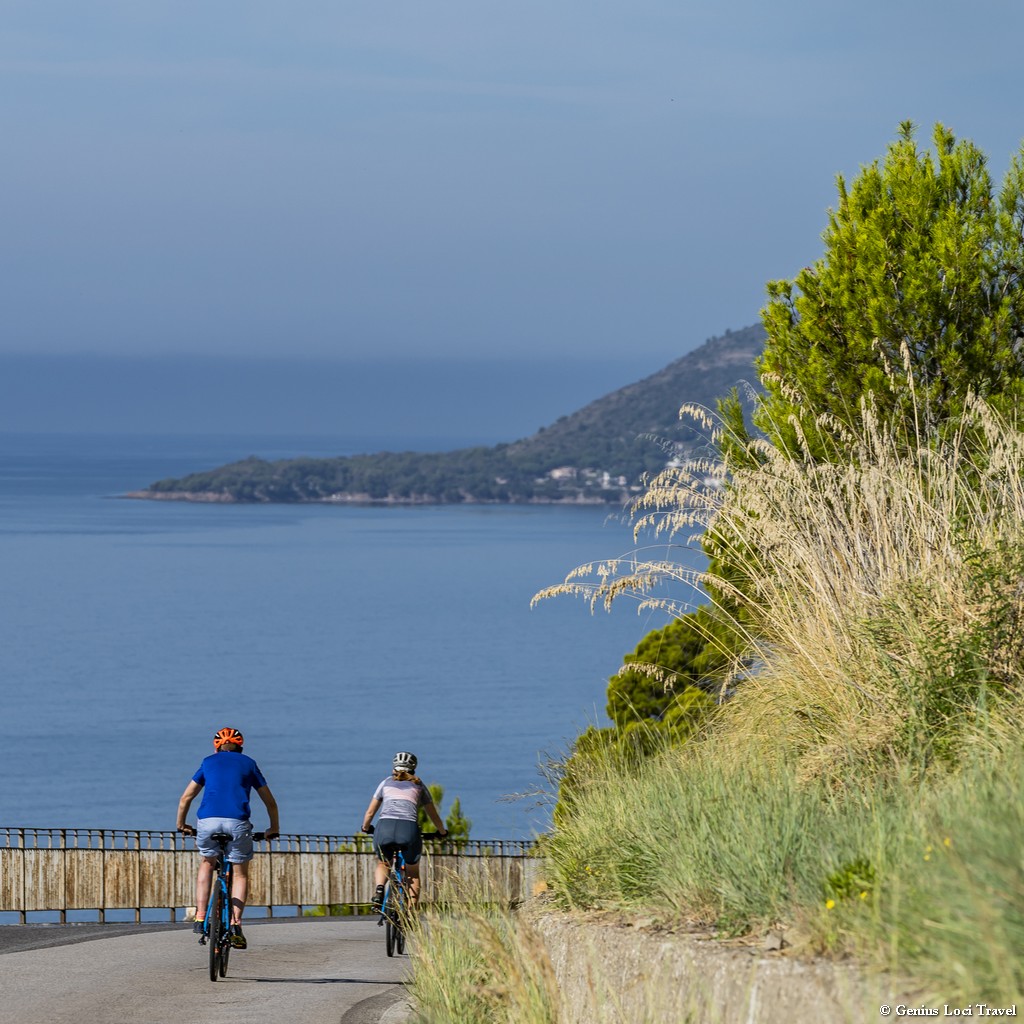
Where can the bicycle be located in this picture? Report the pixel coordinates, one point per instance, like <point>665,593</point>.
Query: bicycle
<point>395,910</point>
<point>217,923</point>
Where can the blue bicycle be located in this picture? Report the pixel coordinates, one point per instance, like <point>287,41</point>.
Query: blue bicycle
<point>394,908</point>
<point>217,923</point>
<point>397,906</point>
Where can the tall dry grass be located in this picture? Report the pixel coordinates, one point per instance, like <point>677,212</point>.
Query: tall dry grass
<point>881,593</point>
<point>492,966</point>
<point>916,873</point>
<point>866,785</point>
<point>885,592</point>
<point>863,791</point>
<point>484,966</point>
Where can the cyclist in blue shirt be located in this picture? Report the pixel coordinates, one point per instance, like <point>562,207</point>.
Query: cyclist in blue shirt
<point>228,777</point>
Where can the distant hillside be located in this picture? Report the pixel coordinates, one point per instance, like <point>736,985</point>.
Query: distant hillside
<point>597,454</point>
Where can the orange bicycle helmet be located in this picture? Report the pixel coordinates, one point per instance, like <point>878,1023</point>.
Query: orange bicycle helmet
<point>227,735</point>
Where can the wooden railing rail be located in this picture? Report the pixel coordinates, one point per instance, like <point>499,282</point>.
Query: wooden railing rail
<point>65,869</point>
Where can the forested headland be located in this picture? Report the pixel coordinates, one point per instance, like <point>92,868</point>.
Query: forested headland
<point>598,454</point>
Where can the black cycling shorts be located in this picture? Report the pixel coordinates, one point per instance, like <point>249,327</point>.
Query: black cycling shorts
<point>393,834</point>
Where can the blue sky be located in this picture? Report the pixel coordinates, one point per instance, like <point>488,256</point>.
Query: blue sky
<point>456,178</point>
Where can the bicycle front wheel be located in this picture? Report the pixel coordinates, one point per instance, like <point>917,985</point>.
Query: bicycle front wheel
<point>225,949</point>
<point>391,934</point>
<point>216,936</point>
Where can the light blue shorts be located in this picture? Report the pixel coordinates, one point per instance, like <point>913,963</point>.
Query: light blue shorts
<point>239,850</point>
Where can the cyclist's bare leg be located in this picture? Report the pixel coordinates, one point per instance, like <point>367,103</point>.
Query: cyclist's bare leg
<point>239,891</point>
<point>380,873</point>
<point>412,874</point>
<point>203,882</point>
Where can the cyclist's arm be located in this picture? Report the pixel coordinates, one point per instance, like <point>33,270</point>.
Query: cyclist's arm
<point>191,792</point>
<point>273,829</point>
<point>370,812</point>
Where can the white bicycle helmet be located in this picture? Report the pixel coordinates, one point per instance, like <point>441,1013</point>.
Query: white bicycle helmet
<point>404,762</point>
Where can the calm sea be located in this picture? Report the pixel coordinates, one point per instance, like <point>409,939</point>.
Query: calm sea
<point>131,630</point>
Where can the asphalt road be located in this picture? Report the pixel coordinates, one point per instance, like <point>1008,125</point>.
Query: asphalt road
<point>294,972</point>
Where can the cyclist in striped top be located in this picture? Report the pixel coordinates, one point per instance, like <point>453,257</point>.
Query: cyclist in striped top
<point>399,798</point>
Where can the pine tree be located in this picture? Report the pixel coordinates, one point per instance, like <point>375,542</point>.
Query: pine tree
<point>918,298</point>
<point>457,824</point>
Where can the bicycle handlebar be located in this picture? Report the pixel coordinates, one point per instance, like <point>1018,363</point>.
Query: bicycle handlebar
<point>258,837</point>
<point>425,835</point>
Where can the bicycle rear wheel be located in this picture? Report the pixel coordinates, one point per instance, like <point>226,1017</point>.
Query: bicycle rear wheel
<point>387,911</point>
<point>215,937</point>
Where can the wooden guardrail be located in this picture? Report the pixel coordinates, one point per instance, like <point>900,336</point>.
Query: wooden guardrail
<point>57,870</point>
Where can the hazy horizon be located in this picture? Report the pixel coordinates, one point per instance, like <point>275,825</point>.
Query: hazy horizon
<point>481,401</point>
<point>461,178</point>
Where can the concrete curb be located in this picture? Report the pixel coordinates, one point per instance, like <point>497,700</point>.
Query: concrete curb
<point>388,1007</point>
<point>401,1012</point>
<point>617,974</point>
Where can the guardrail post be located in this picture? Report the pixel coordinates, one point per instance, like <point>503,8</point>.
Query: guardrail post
<point>21,845</point>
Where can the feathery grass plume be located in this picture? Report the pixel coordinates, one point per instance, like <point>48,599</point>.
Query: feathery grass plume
<point>880,592</point>
<point>884,589</point>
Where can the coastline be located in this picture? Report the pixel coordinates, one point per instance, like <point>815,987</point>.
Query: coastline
<point>223,498</point>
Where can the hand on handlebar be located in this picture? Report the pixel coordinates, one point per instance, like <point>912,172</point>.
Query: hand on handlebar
<point>368,829</point>
<point>269,834</point>
<point>187,830</point>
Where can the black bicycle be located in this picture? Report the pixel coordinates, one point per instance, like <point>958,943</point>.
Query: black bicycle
<point>217,923</point>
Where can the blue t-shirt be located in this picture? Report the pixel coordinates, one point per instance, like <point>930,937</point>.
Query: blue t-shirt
<point>227,777</point>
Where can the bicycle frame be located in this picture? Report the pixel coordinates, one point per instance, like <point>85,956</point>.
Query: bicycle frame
<point>217,922</point>
<point>394,908</point>
<point>217,919</point>
<point>395,911</point>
